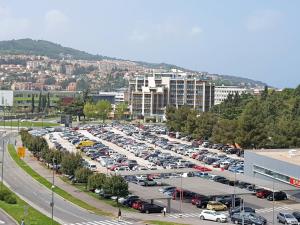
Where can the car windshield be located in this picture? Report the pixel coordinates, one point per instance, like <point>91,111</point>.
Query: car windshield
<point>288,216</point>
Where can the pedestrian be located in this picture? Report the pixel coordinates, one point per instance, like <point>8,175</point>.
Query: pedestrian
<point>119,215</point>
<point>22,222</point>
<point>165,210</point>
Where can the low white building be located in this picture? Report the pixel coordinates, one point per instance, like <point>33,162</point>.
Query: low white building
<point>222,92</point>
<point>6,98</point>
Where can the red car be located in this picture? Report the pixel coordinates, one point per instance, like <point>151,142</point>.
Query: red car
<point>202,168</point>
<point>137,204</point>
<point>263,193</point>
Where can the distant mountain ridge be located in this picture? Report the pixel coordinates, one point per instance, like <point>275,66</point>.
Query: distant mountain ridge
<point>56,51</point>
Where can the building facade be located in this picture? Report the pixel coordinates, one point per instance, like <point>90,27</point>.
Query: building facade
<point>150,94</point>
<point>222,92</point>
<point>21,100</point>
<point>282,165</point>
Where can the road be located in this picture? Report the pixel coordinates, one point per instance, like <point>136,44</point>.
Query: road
<point>39,196</point>
<point>5,219</point>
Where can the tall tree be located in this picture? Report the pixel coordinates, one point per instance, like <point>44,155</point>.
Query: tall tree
<point>116,186</point>
<point>89,110</point>
<point>32,104</point>
<point>40,103</point>
<point>103,108</point>
<point>120,110</point>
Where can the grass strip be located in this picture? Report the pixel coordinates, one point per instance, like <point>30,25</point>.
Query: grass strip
<point>157,222</point>
<point>46,183</point>
<point>22,210</point>
<point>14,123</point>
<point>110,202</point>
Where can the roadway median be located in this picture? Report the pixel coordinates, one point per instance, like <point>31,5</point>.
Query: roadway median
<point>13,153</point>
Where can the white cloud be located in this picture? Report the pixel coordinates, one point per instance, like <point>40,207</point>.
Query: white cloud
<point>196,30</point>
<point>11,26</point>
<point>264,20</point>
<point>56,21</point>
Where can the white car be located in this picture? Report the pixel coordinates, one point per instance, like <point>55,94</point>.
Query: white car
<point>213,215</point>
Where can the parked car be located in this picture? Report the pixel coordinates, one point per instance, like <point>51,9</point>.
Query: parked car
<point>213,215</point>
<point>239,209</point>
<point>296,215</point>
<point>150,208</point>
<point>217,206</point>
<point>248,218</point>
<point>278,195</point>
<point>286,218</point>
<point>263,193</point>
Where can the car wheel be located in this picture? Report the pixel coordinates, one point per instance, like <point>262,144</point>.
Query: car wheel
<point>218,220</point>
<point>202,218</point>
<point>147,211</point>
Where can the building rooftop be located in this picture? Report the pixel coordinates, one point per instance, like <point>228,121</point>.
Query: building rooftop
<point>286,155</point>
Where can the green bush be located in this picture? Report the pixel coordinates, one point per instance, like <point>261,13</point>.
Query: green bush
<point>10,199</point>
<point>3,194</point>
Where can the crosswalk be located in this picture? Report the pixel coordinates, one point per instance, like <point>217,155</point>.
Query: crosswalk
<point>277,209</point>
<point>102,222</point>
<point>181,215</point>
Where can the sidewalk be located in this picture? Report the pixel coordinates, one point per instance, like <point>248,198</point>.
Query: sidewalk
<point>132,216</point>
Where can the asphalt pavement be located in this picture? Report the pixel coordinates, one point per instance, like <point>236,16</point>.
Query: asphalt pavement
<point>39,196</point>
<point>5,219</point>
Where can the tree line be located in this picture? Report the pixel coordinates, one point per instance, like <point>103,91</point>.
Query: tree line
<point>271,120</point>
<point>73,165</point>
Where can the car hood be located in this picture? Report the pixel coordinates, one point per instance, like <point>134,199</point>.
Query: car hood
<point>289,220</point>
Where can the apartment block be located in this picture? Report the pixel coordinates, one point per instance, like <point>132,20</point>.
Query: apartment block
<point>150,94</point>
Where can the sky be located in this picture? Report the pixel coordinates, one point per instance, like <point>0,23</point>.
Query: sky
<point>248,38</point>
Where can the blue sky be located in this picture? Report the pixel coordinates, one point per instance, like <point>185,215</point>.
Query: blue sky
<point>255,39</point>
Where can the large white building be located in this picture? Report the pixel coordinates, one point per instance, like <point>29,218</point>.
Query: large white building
<point>150,94</point>
<point>222,92</point>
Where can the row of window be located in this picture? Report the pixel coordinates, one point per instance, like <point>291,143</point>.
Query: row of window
<point>270,173</point>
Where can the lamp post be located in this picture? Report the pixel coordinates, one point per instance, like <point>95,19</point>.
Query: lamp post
<point>52,193</point>
<point>273,202</point>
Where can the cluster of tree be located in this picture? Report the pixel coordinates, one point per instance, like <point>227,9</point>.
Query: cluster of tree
<point>72,164</point>
<point>43,103</point>
<point>269,121</point>
<point>114,81</point>
<point>101,109</point>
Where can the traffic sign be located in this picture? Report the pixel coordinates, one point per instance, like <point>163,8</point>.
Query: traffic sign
<point>21,152</point>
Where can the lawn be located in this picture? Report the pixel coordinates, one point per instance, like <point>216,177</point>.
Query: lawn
<point>17,211</point>
<point>46,183</point>
<point>157,222</point>
<point>14,123</point>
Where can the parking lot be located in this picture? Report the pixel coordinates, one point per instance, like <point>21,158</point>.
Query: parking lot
<point>168,170</point>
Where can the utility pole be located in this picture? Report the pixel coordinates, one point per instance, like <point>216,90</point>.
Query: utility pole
<point>2,165</point>
<point>273,202</point>
<point>52,194</point>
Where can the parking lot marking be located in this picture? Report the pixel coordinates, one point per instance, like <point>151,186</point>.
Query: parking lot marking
<point>271,209</point>
<point>185,215</point>
<point>102,222</point>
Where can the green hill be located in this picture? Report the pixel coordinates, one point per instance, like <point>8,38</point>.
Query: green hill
<point>44,48</point>
<point>56,51</point>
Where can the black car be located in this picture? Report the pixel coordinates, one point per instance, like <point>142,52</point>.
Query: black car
<point>296,215</point>
<point>248,218</point>
<point>228,201</point>
<point>130,200</point>
<point>278,195</point>
<point>151,208</point>
<point>240,209</point>
<point>202,201</point>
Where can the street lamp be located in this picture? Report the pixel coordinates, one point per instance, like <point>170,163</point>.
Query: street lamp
<point>52,192</point>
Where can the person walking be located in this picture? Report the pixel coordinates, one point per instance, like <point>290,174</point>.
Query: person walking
<point>119,215</point>
<point>22,222</point>
<point>165,211</point>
